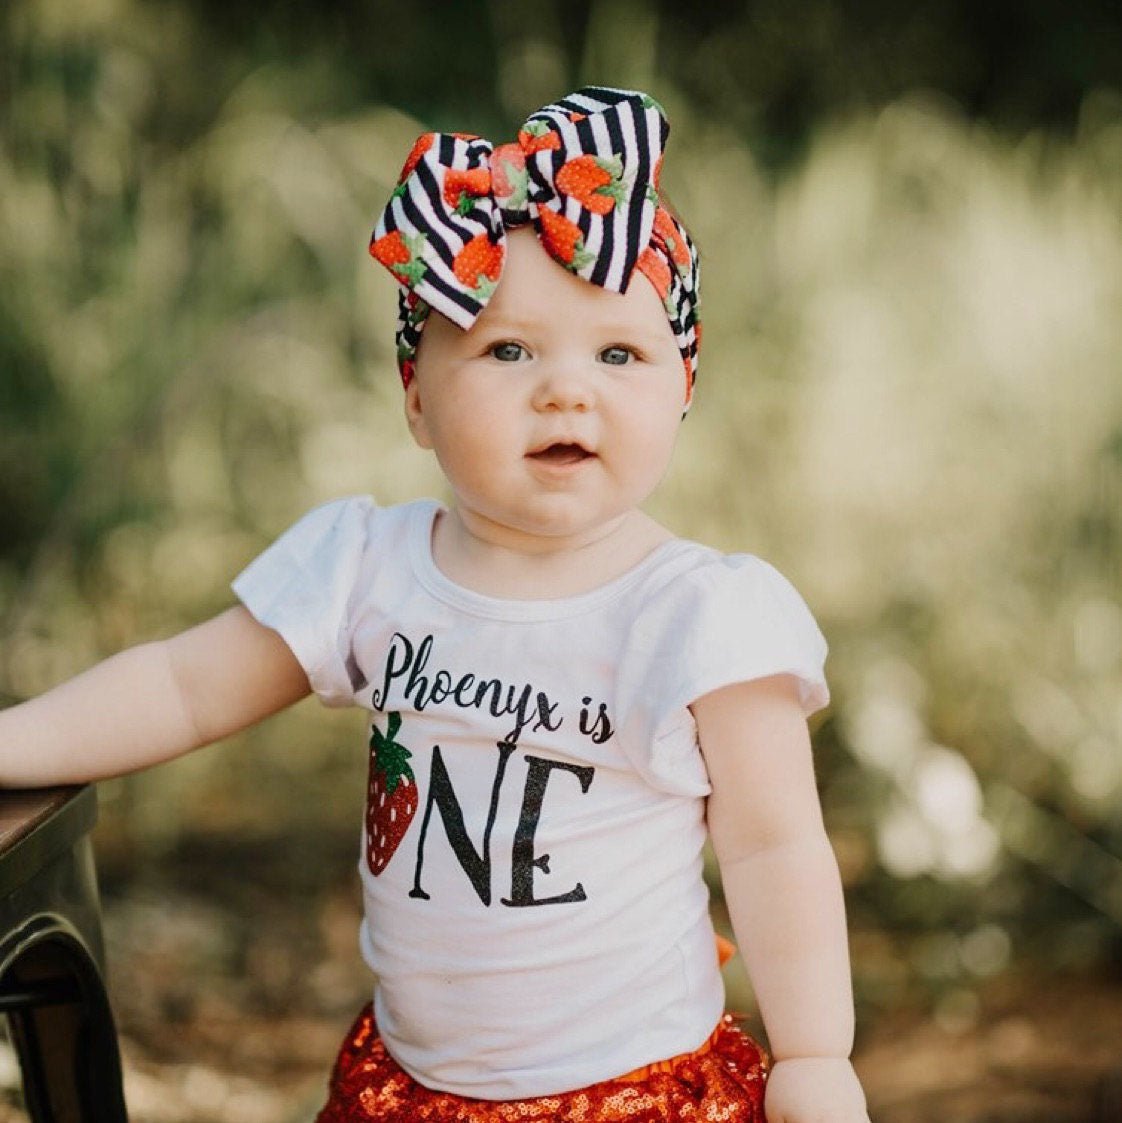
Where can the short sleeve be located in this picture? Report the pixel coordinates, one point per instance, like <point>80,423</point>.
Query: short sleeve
<point>747,622</point>
<point>303,587</point>
<point>733,618</point>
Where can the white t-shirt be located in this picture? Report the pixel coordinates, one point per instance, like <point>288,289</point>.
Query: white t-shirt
<point>534,905</point>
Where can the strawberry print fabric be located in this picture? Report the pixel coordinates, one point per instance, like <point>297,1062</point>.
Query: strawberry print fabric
<point>584,172</point>
<point>724,1080</point>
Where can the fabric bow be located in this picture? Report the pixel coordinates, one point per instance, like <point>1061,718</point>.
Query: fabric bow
<point>584,171</point>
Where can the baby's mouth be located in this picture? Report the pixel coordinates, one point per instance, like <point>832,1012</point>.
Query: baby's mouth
<point>561,454</point>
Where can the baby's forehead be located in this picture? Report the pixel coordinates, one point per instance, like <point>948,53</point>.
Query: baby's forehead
<point>533,287</point>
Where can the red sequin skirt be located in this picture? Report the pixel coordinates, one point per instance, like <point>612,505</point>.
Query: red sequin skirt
<point>722,1081</point>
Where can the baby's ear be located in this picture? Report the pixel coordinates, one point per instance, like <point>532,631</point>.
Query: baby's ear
<point>415,415</point>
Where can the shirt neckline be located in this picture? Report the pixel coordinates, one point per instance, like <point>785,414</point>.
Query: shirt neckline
<point>501,608</point>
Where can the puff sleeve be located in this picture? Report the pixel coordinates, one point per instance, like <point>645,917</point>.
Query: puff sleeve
<point>732,619</point>
<point>303,586</point>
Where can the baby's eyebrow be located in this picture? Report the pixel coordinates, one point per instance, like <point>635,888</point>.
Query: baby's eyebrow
<point>609,331</point>
<point>646,336</point>
<point>500,324</point>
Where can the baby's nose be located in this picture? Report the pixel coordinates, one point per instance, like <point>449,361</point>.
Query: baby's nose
<point>564,386</point>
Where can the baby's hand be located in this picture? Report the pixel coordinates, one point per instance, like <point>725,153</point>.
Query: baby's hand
<point>814,1090</point>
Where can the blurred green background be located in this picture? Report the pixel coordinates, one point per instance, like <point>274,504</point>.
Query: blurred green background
<point>910,401</point>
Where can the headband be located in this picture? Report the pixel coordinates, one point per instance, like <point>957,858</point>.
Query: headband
<point>584,171</point>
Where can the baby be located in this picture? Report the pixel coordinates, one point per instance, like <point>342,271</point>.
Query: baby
<point>565,698</point>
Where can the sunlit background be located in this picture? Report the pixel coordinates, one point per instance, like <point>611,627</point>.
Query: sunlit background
<point>910,402</point>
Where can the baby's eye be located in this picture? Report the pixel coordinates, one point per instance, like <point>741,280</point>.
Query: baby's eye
<point>617,356</point>
<point>507,351</point>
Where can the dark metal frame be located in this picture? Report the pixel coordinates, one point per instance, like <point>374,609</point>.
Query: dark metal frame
<point>51,985</point>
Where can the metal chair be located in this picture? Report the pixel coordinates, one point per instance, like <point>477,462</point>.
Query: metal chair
<point>51,985</point>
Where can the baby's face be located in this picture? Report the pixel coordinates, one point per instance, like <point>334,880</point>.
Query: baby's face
<point>556,413</point>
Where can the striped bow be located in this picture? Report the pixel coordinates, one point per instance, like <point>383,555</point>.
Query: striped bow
<point>584,171</point>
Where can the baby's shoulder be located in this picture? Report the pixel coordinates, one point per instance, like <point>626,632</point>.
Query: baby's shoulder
<point>355,522</point>
<point>692,574</point>
<point>716,619</point>
<point>701,599</point>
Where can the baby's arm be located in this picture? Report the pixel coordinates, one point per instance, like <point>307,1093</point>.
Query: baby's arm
<point>784,894</point>
<point>151,703</point>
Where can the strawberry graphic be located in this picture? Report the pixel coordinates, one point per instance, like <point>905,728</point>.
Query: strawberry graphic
<point>653,265</point>
<point>478,265</point>
<point>675,243</point>
<point>462,188</point>
<point>416,154</point>
<point>537,136</point>
<point>391,795</point>
<point>401,255</point>
<point>420,146</point>
<point>596,182</point>
<point>563,240</point>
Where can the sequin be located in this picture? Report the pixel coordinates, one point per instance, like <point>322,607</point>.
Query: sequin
<point>722,1082</point>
